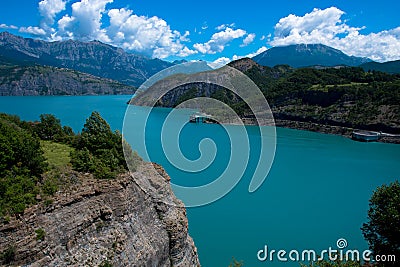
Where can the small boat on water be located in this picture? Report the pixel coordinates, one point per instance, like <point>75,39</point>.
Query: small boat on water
<point>366,136</point>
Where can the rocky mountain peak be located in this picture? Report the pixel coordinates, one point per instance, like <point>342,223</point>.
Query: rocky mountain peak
<point>92,57</point>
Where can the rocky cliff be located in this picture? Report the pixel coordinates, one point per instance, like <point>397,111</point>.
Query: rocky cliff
<point>134,220</point>
<point>42,80</point>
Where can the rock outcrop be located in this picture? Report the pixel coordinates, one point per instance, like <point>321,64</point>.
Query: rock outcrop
<point>42,80</point>
<point>134,220</point>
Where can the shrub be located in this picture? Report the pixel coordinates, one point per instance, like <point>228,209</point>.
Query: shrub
<point>82,160</point>
<point>50,186</point>
<point>99,150</point>
<point>49,128</point>
<point>40,234</point>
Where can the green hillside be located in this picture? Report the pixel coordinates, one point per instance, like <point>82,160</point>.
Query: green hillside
<point>389,67</point>
<point>346,96</point>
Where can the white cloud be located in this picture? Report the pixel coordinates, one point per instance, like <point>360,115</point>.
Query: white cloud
<point>219,40</point>
<point>85,22</point>
<point>184,37</point>
<point>251,55</point>
<point>5,26</point>
<point>224,26</point>
<point>64,23</point>
<point>259,51</point>
<point>186,52</point>
<point>151,36</point>
<point>220,62</point>
<point>221,27</point>
<point>48,9</point>
<point>33,30</point>
<point>248,40</point>
<point>326,27</point>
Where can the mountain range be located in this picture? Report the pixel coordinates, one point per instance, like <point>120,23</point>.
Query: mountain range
<point>93,57</point>
<point>307,55</point>
<point>36,67</point>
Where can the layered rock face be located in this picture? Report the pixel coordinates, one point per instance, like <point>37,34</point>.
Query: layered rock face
<point>37,80</point>
<point>134,220</point>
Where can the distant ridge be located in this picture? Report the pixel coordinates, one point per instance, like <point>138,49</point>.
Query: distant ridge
<point>306,55</point>
<point>392,67</point>
<point>93,57</point>
<point>44,80</point>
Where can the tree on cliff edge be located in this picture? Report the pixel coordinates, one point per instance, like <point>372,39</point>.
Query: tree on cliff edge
<point>99,149</point>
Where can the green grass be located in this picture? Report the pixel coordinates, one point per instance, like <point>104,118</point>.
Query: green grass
<point>57,155</point>
<point>324,88</point>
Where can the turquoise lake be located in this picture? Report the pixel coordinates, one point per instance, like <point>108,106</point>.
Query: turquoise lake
<point>317,190</point>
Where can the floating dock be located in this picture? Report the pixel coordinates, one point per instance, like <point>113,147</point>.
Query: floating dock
<point>201,118</point>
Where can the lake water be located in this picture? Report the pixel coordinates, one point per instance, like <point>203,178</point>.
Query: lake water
<point>316,192</point>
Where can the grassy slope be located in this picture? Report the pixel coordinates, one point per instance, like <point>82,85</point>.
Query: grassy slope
<point>57,155</point>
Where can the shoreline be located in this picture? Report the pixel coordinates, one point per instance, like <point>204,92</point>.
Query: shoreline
<point>328,129</point>
<point>308,126</point>
<point>319,128</point>
<point>312,127</point>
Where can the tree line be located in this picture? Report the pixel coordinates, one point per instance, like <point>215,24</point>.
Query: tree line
<point>23,166</point>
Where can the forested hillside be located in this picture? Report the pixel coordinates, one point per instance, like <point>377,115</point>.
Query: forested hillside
<point>341,96</point>
<point>36,158</point>
<point>345,96</point>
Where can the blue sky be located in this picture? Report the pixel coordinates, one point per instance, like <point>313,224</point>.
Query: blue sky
<point>211,30</point>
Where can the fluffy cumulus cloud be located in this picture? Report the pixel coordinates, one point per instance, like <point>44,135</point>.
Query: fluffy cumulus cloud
<point>85,20</point>
<point>248,40</point>
<point>37,31</point>
<point>151,36</point>
<point>148,35</point>
<point>48,9</point>
<point>220,62</point>
<point>219,40</point>
<point>327,27</point>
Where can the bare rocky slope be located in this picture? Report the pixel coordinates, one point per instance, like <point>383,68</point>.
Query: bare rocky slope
<point>134,220</point>
<point>42,80</point>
